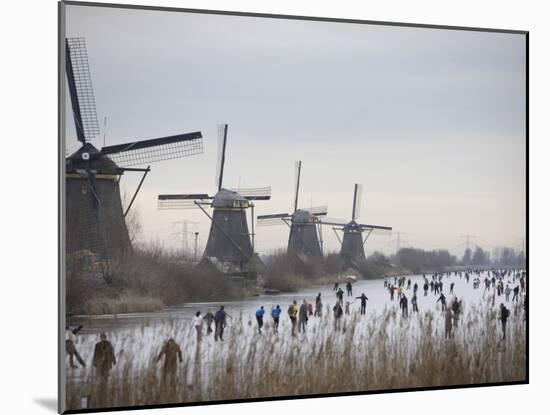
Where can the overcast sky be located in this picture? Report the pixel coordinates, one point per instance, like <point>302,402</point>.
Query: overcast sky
<point>431,122</point>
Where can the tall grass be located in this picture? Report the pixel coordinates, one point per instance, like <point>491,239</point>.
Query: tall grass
<point>373,352</point>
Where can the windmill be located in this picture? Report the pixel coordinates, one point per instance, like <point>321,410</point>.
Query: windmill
<point>305,237</point>
<point>94,213</point>
<point>352,244</point>
<point>229,240</point>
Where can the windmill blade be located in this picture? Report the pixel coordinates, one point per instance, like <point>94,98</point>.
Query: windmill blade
<point>357,195</point>
<point>334,221</point>
<point>297,174</point>
<point>156,149</point>
<point>317,210</point>
<point>255,193</point>
<point>377,227</point>
<point>222,145</point>
<point>183,201</point>
<point>270,222</point>
<point>274,219</point>
<point>80,89</point>
<point>331,223</point>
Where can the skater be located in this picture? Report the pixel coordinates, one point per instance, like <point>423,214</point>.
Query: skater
<point>507,292</point>
<point>197,323</point>
<point>392,290</point>
<point>70,340</point>
<point>318,306</point>
<point>293,314</point>
<point>443,302</point>
<point>516,292</point>
<point>275,313</point>
<point>260,318</point>
<point>346,308</point>
<point>309,309</point>
<point>415,288</point>
<point>208,318</point>
<point>503,317</point>
<point>363,299</point>
<point>219,319</point>
<point>404,304</point>
<point>302,317</point>
<point>426,286</point>
<point>172,353</point>
<point>414,302</point>
<point>337,309</point>
<point>456,308</point>
<point>340,296</point>
<point>349,289</point>
<point>448,323</point>
<point>451,288</point>
<point>335,287</point>
<point>409,284</point>
<point>104,356</point>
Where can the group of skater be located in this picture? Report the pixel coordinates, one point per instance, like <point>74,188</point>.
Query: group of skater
<point>104,357</point>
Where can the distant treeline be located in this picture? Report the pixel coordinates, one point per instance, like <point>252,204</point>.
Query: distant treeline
<point>419,260</point>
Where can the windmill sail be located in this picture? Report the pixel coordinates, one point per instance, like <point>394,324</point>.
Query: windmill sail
<point>357,195</point>
<point>297,174</point>
<point>80,89</point>
<point>222,143</point>
<point>255,193</point>
<point>157,149</point>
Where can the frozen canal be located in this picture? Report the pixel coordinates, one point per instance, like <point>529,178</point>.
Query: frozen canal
<point>379,299</point>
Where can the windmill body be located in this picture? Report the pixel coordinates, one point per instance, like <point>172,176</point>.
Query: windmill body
<point>94,212</point>
<point>304,238</point>
<point>94,215</point>
<point>352,243</point>
<point>229,237</point>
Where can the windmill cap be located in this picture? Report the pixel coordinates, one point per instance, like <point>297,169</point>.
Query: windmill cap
<point>352,227</point>
<point>78,159</point>
<point>302,216</point>
<point>226,198</point>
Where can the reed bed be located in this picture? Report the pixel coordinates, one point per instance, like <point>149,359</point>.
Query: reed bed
<point>378,351</point>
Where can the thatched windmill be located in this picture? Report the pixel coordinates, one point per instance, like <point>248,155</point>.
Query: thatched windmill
<point>305,237</point>
<point>94,213</point>
<point>229,239</point>
<point>353,242</point>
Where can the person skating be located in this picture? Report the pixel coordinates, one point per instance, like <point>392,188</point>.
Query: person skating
<point>70,347</point>
<point>220,322</point>
<point>426,286</point>
<point>302,317</point>
<point>103,359</point>
<point>349,289</point>
<point>338,312</point>
<point>414,302</point>
<point>451,288</point>
<point>404,304</point>
<point>448,323</point>
<point>172,353</point>
<point>507,292</point>
<point>260,318</point>
<point>443,301</point>
<point>363,299</point>
<point>340,296</point>
<point>318,306</point>
<point>208,318</point>
<point>503,317</point>
<point>293,314</point>
<point>275,314</point>
<point>197,323</point>
<point>516,293</point>
<point>409,284</point>
<point>392,290</point>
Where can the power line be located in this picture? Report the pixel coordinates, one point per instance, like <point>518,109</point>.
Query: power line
<point>468,241</point>
<point>399,241</point>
